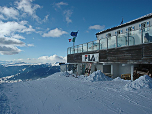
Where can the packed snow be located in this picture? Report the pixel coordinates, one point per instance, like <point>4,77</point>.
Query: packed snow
<point>64,93</point>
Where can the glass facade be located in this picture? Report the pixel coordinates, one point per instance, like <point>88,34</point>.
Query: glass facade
<point>133,37</point>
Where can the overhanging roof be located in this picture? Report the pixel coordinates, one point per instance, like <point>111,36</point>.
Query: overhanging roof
<point>126,24</point>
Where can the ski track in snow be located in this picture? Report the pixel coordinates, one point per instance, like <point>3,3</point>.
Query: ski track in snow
<point>58,94</point>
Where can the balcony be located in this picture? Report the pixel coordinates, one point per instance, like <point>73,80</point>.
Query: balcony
<point>133,46</point>
<point>128,39</point>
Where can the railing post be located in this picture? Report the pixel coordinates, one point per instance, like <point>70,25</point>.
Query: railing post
<point>128,38</point>
<point>77,48</point>
<point>87,47</point>
<point>92,46</point>
<point>107,43</point>
<point>116,41</point>
<point>142,36</point>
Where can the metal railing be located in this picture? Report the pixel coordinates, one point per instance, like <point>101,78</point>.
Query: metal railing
<point>133,37</point>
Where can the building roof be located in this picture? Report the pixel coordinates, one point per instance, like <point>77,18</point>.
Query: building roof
<point>128,23</point>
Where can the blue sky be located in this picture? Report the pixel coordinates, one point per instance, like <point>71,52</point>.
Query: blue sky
<point>38,31</point>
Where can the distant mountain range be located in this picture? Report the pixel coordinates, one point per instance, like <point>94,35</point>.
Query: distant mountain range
<point>23,71</point>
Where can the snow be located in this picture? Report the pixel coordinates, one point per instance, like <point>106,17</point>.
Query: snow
<point>140,83</point>
<point>59,94</point>
<point>119,79</point>
<point>97,76</point>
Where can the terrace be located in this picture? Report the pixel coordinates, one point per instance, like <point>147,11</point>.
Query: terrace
<point>132,46</point>
<point>131,38</point>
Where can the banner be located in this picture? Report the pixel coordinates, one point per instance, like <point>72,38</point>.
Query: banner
<point>90,57</point>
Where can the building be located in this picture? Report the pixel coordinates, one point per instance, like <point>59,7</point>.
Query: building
<point>124,51</point>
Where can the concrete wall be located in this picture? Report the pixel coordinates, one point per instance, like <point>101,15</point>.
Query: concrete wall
<point>62,68</point>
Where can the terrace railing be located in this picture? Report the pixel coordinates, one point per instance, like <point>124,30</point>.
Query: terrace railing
<point>134,37</point>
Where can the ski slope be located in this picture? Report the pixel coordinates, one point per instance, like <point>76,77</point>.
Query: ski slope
<point>59,94</point>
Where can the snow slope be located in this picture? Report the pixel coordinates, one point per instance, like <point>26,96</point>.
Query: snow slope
<point>59,94</point>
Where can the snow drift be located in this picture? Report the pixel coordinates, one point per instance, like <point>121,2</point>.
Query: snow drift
<point>142,82</point>
<point>97,76</point>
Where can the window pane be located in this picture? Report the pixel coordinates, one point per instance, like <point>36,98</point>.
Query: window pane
<point>76,49</point>
<point>112,42</point>
<point>90,46</point>
<point>147,35</point>
<point>69,50</point>
<point>103,43</point>
<point>135,37</point>
<point>79,48</point>
<point>84,47</point>
<point>72,50</point>
<point>122,40</point>
<point>96,45</point>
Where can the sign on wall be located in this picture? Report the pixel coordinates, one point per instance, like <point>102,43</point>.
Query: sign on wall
<point>90,57</point>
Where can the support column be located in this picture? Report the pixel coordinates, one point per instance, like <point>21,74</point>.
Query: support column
<point>112,73</point>
<point>79,69</point>
<point>132,71</point>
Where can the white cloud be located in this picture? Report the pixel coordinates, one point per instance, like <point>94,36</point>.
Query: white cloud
<point>52,59</point>
<point>17,36</point>
<point>10,41</point>
<point>9,50</point>
<point>30,45</point>
<point>60,4</point>
<point>27,7</point>
<point>2,17</point>
<point>9,12</point>
<point>54,33</point>
<point>8,28</point>
<point>8,46</point>
<point>97,27</point>
<point>46,18</point>
<point>68,14</point>
<point>9,37</point>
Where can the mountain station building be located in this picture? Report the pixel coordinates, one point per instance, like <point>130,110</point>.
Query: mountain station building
<point>123,51</point>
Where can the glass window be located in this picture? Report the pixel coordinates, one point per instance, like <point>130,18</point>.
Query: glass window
<point>121,31</point>
<point>133,28</point>
<point>147,23</point>
<point>139,26</point>
<point>118,32</point>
